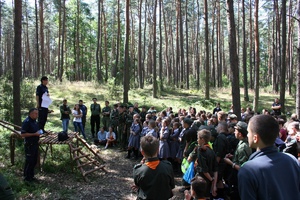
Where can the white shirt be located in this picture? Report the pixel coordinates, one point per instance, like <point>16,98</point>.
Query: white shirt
<point>76,119</point>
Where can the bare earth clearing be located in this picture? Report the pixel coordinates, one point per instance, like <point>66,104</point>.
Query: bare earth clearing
<point>112,185</point>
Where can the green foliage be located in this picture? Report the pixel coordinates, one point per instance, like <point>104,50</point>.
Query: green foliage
<point>115,91</point>
<point>6,97</point>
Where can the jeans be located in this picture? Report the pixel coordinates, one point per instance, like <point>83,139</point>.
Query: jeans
<point>78,125</point>
<point>65,124</point>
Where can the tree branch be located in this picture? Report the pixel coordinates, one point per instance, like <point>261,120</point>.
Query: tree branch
<point>294,17</point>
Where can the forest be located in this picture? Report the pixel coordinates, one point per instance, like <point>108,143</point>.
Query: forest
<point>181,44</point>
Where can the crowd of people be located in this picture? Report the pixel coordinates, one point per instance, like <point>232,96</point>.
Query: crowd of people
<point>225,155</point>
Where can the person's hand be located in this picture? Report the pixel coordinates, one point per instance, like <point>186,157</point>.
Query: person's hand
<point>187,195</point>
<point>214,190</point>
<point>134,188</point>
<point>228,155</point>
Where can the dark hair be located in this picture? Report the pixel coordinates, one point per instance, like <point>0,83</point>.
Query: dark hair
<point>44,78</point>
<point>31,110</point>
<point>266,127</point>
<point>149,145</point>
<point>78,110</point>
<point>106,101</point>
<point>199,186</point>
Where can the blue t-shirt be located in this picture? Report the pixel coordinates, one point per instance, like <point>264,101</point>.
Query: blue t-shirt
<point>30,125</point>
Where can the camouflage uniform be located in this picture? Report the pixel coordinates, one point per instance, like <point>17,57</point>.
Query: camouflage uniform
<point>106,117</point>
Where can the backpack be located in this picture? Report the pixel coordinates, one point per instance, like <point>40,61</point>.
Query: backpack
<point>62,136</point>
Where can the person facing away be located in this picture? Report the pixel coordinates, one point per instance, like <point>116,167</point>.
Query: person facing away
<point>30,133</point>
<point>268,174</point>
<point>198,188</point>
<point>154,179</point>
<point>65,112</point>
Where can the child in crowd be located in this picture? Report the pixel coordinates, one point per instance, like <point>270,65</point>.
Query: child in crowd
<point>154,179</point>
<point>101,137</point>
<point>152,129</point>
<point>134,139</point>
<point>164,150</point>
<point>110,137</point>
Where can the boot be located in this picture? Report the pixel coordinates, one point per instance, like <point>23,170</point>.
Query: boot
<point>135,154</point>
<point>128,153</point>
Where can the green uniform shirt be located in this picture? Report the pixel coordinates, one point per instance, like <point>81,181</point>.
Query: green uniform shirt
<point>62,109</point>
<point>95,109</point>
<point>242,152</point>
<point>105,110</point>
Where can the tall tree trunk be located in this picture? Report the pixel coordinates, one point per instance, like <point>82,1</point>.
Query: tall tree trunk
<point>140,72</point>
<point>115,67</point>
<point>1,58</point>
<point>197,48</point>
<point>98,50</point>
<point>126,54</point>
<point>38,69</point>
<point>207,51</point>
<point>59,70</point>
<point>187,46</point>
<point>250,46</point>
<point>42,41</point>
<point>176,77</point>
<point>181,47</point>
<point>105,43</point>
<point>298,64</point>
<point>283,59</point>
<point>77,47</point>
<point>213,71</point>
<point>167,61</point>
<point>234,60</point>
<point>160,47</point>
<point>219,46</point>
<point>17,62</point>
<point>246,96</point>
<point>257,58</point>
<point>290,50</point>
<point>154,52</point>
<point>63,37</point>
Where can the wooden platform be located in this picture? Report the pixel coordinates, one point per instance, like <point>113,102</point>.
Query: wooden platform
<point>83,159</point>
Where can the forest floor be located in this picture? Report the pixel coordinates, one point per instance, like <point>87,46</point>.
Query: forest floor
<point>114,184</point>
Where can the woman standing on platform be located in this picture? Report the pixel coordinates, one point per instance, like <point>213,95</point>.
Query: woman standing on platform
<point>77,120</point>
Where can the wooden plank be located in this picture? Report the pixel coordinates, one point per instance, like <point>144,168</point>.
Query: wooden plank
<point>82,156</point>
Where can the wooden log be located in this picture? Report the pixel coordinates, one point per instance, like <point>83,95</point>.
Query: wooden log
<point>76,149</point>
<point>92,170</point>
<point>82,156</point>
<point>87,163</point>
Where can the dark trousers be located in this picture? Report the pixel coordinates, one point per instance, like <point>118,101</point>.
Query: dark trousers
<point>43,114</point>
<point>95,119</point>
<point>31,156</point>
<point>83,119</point>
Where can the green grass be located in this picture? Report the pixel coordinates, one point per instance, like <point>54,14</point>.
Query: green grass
<point>73,91</point>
